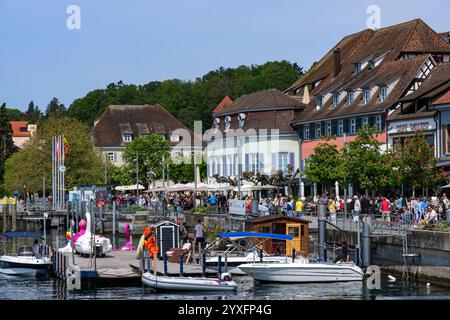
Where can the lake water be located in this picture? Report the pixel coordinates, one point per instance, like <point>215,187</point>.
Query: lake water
<point>12,288</point>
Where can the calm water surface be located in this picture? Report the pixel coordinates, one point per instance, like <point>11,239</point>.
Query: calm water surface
<point>12,288</point>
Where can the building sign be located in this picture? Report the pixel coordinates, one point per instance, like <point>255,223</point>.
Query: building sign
<point>397,127</point>
<point>237,207</point>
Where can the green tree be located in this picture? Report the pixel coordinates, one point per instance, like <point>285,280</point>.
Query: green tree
<point>417,163</point>
<point>149,151</point>
<point>6,142</point>
<point>33,114</point>
<point>188,100</point>
<point>365,164</point>
<point>34,162</point>
<point>325,165</point>
<point>54,108</point>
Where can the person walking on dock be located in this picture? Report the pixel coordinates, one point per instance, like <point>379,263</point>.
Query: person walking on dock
<point>199,232</point>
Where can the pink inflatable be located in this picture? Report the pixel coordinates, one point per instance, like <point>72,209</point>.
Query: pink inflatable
<point>82,225</point>
<point>128,246</point>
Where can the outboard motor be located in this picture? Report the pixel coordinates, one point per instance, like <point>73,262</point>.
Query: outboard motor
<point>225,277</point>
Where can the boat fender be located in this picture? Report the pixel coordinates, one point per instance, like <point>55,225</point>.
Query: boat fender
<point>225,277</point>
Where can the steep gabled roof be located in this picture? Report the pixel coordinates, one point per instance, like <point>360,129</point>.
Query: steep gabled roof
<point>324,66</point>
<point>270,99</point>
<point>20,129</point>
<point>386,46</point>
<point>439,77</point>
<point>402,70</point>
<point>225,102</point>
<point>133,119</point>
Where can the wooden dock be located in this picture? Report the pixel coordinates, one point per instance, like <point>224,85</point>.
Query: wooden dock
<point>122,267</point>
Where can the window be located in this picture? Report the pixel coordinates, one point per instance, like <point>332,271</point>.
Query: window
<point>445,138</point>
<point>306,132</point>
<point>335,100</point>
<point>366,96</point>
<point>319,100</point>
<point>112,156</point>
<point>353,126</point>
<point>378,123</point>
<point>293,231</point>
<point>283,161</point>
<point>318,131</point>
<point>365,121</point>
<point>357,67</point>
<point>341,128</point>
<point>23,129</point>
<point>241,120</point>
<point>383,93</point>
<point>328,128</point>
<point>127,137</point>
<point>227,123</point>
<point>224,166</point>
<point>350,97</point>
<point>216,123</point>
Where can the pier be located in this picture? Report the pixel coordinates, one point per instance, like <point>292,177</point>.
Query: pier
<point>117,268</point>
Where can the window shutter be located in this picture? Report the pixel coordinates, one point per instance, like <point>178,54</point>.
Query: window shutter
<point>383,123</point>
<point>247,162</point>
<point>208,169</point>
<point>346,125</point>
<point>224,166</point>
<point>261,163</point>
<point>274,161</point>
<point>358,124</point>
<point>301,132</point>
<point>334,127</point>
<point>323,129</point>
<point>292,159</point>
<point>371,121</point>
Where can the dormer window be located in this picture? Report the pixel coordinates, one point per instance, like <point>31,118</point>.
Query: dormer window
<point>127,137</point>
<point>241,120</point>
<point>383,93</point>
<point>319,101</point>
<point>357,67</point>
<point>366,96</point>
<point>336,99</point>
<point>227,123</point>
<point>350,97</point>
<point>216,123</point>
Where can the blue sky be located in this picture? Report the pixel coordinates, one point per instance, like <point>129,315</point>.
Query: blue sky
<point>138,41</point>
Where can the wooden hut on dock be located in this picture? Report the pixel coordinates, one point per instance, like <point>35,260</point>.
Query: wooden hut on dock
<point>298,228</point>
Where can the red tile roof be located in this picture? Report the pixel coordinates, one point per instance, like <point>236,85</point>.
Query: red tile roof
<point>20,129</point>
<point>444,99</point>
<point>225,102</point>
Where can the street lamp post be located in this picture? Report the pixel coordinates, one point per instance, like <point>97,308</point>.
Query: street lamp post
<point>137,174</point>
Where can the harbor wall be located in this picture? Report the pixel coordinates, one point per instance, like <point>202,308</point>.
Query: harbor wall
<point>431,250</point>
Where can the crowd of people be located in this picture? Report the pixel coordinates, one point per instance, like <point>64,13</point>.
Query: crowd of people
<point>417,210</point>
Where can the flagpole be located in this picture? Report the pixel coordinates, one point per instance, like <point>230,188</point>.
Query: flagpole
<point>53,173</point>
<point>63,188</point>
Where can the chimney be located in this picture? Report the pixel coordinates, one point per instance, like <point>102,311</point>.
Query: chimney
<point>337,61</point>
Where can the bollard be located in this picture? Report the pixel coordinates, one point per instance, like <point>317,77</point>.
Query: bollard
<point>322,232</point>
<point>204,264</point>
<point>165,264</point>
<point>5,214</point>
<point>366,244</point>
<point>226,261</point>
<point>293,254</point>
<point>13,214</point>
<point>181,264</point>
<point>260,255</point>
<point>219,265</point>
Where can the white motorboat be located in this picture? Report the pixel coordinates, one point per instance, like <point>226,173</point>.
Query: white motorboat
<point>26,262</point>
<point>302,270</point>
<point>225,283</point>
<point>84,245</point>
<point>248,252</point>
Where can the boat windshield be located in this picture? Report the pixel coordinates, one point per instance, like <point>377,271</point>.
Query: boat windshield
<point>25,251</point>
